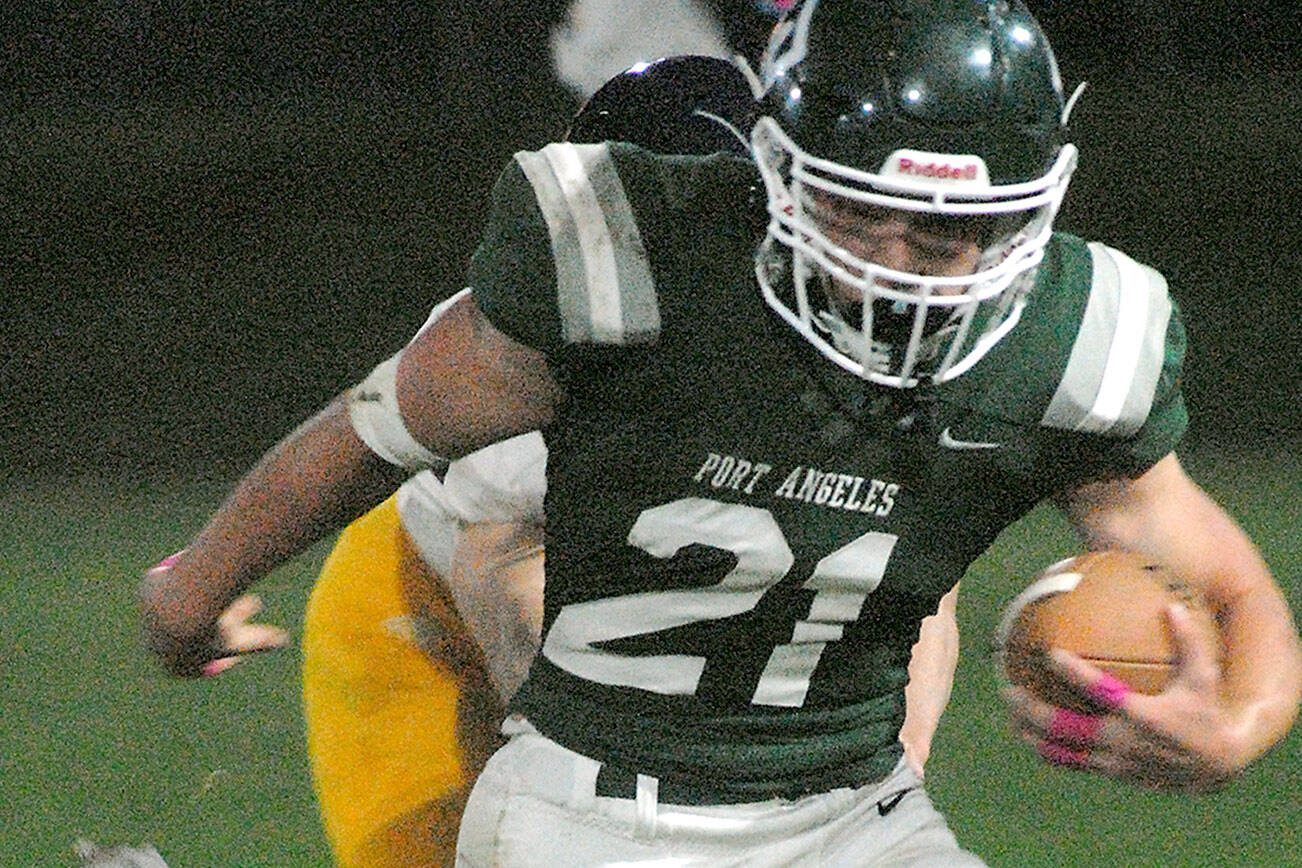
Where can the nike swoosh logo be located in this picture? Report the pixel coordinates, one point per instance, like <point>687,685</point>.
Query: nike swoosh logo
<point>950,443</point>
<point>886,805</point>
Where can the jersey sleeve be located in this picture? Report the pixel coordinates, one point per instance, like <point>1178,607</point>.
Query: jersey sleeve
<point>501,483</point>
<point>563,261</point>
<point>1167,416</point>
<point>1116,398</point>
<point>1121,384</point>
<point>1093,370</point>
<point>512,275</point>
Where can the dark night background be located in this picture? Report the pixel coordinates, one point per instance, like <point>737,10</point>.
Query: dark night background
<point>215,216</point>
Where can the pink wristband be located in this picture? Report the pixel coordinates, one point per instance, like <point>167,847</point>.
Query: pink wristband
<point>167,563</point>
<point>1072,727</point>
<point>217,667</point>
<point>1109,692</point>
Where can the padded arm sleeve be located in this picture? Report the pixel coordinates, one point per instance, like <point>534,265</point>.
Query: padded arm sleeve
<point>377,419</point>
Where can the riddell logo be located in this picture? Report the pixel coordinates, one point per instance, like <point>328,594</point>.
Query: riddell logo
<point>941,171</point>
<point>929,167</point>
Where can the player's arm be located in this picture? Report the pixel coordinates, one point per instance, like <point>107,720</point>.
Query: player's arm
<point>931,677</point>
<point>459,385</point>
<point>1214,720</point>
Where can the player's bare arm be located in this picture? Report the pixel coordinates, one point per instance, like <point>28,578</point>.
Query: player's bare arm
<point>311,482</point>
<point>454,388</point>
<point>1228,705</point>
<point>931,678</point>
<point>463,384</point>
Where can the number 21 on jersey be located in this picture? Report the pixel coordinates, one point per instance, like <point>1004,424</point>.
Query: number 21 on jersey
<point>842,581</point>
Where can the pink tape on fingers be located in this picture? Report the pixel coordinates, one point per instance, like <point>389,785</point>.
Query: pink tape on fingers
<point>1061,755</point>
<point>217,667</point>
<point>1109,691</point>
<point>168,562</point>
<point>1072,727</point>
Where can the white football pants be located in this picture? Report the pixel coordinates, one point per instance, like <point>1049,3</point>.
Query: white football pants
<point>535,805</point>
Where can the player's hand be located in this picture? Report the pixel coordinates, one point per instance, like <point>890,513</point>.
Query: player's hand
<point>236,633</point>
<point>1183,739</point>
<point>190,645</point>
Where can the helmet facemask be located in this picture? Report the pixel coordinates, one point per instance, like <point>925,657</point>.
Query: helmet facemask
<point>893,327</point>
<point>891,128</point>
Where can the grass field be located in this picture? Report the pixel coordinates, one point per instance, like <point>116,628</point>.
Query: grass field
<point>94,741</point>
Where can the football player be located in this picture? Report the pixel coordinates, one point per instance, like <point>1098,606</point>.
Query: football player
<point>767,462</point>
<point>422,624</point>
<point>428,608</point>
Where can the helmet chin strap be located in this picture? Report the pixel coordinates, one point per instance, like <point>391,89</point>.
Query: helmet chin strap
<point>852,342</point>
<point>897,307</point>
<point>849,340</point>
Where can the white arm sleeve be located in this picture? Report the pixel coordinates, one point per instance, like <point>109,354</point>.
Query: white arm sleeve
<point>375,415</point>
<point>373,410</point>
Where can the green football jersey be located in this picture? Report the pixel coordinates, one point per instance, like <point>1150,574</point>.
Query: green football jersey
<point>742,538</point>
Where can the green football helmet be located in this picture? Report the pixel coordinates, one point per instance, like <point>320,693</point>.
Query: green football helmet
<point>944,117</point>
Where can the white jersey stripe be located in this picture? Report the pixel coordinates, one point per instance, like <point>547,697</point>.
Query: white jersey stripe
<point>1152,352</point>
<point>636,287</point>
<point>1135,357</point>
<point>1111,375</point>
<point>1132,302</point>
<point>605,292</point>
<point>571,280</point>
<point>596,247</point>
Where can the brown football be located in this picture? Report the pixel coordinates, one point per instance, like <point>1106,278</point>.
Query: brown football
<point>1110,608</point>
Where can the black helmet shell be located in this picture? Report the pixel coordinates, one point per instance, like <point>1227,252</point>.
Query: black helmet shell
<point>671,106</point>
<point>852,81</point>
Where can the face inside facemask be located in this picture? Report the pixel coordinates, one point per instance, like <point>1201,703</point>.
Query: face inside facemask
<point>907,243</point>
<point>897,280</point>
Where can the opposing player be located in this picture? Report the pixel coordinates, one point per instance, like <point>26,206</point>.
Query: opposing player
<point>755,495</point>
<point>422,624</point>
